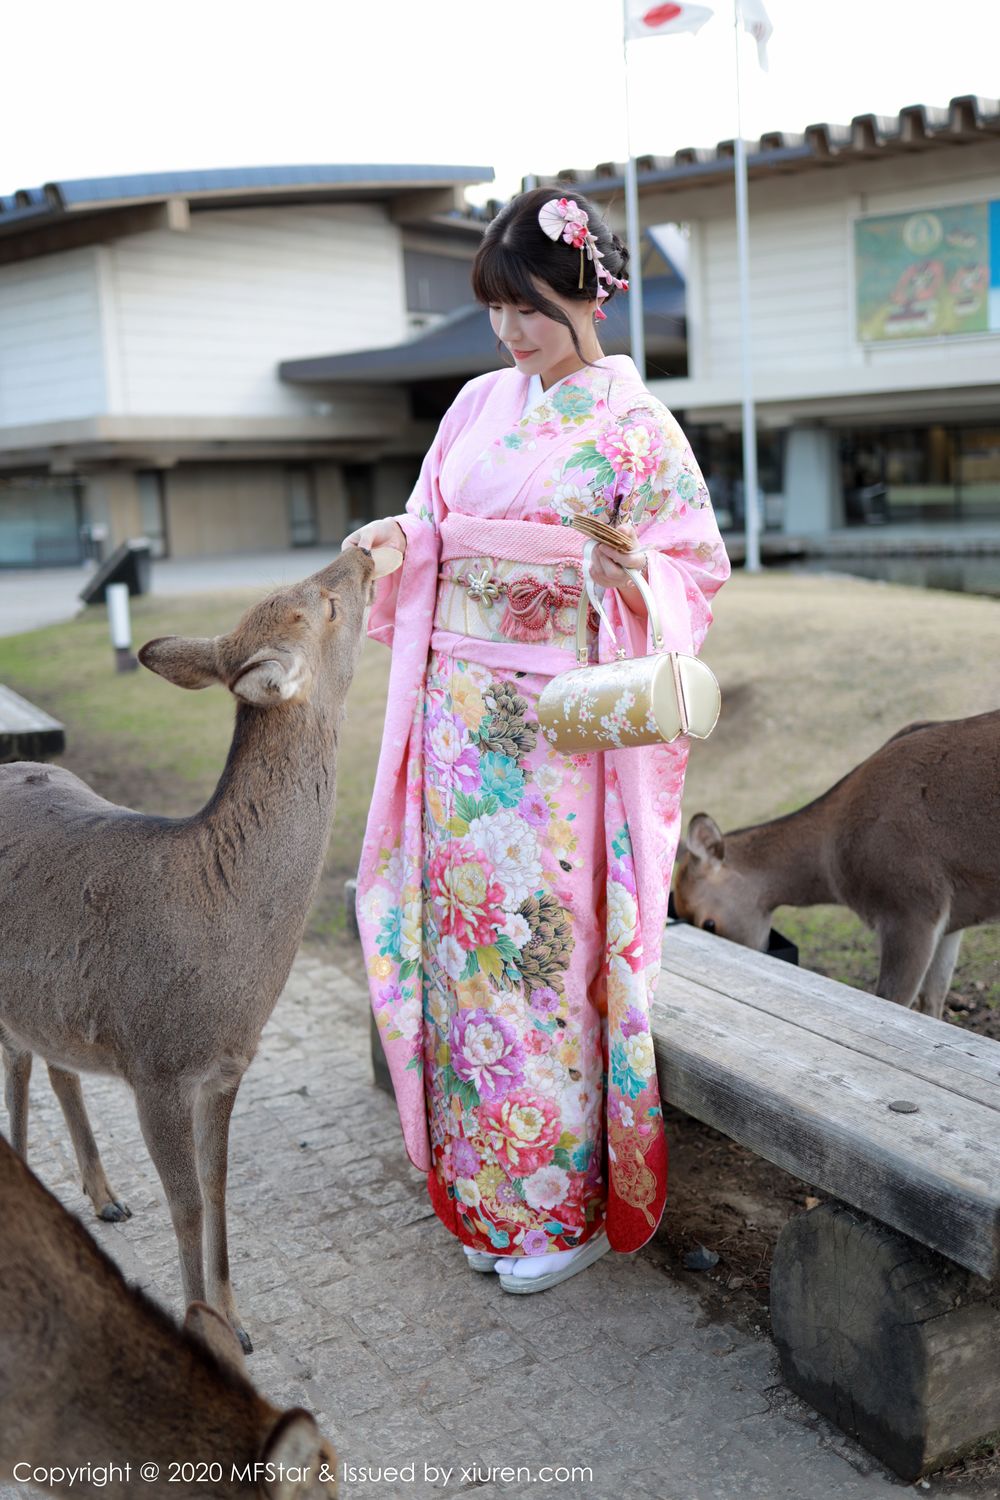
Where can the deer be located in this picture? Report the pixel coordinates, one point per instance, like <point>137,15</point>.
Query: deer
<point>909,840</point>
<point>154,949</point>
<point>93,1374</point>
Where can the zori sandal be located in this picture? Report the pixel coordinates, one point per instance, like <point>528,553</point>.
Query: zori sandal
<point>480,1260</point>
<point>595,1247</point>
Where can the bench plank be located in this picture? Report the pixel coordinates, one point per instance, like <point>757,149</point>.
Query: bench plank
<point>819,1109</point>
<point>930,1051</point>
<point>27,732</point>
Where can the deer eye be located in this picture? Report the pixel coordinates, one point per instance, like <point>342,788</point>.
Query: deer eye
<point>329,607</point>
<point>709,924</point>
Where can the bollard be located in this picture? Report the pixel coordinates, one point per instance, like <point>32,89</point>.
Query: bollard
<point>121,627</point>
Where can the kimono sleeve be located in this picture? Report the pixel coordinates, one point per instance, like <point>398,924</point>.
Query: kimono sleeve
<point>420,523</point>
<point>645,468</point>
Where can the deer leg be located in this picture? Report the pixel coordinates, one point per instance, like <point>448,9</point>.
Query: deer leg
<point>16,1073</point>
<point>907,948</point>
<point>212,1115</point>
<point>67,1089</point>
<point>166,1121</point>
<point>937,980</point>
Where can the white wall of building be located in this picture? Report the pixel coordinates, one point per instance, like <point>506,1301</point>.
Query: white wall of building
<point>193,323</point>
<point>803,318</point>
<point>51,361</point>
<point>199,319</point>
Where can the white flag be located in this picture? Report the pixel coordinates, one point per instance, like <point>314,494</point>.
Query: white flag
<point>647,18</point>
<point>757,21</point>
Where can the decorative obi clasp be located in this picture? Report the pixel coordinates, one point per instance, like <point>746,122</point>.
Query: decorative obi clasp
<point>538,604</point>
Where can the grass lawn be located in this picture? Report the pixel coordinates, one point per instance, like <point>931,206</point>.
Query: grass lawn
<point>816,672</point>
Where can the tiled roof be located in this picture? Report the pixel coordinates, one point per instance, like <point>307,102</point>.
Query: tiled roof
<point>918,127</point>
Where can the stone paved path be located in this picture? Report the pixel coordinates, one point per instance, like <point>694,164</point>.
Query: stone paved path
<point>361,1307</point>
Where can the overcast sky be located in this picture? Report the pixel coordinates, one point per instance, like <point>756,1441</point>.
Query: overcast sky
<point>118,86</point>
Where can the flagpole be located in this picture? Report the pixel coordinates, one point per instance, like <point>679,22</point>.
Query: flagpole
<point>637,332</point>
<point>751,518</point>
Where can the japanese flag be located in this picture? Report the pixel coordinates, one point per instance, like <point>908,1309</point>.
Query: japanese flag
<point>647,18</point>
<point>757,21</point>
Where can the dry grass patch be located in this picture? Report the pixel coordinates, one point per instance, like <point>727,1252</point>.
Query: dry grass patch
<point>817,672</point>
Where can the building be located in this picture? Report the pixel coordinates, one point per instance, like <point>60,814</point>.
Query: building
<point>142,323</point>
<point>875,287</point>
<point>428,370</point>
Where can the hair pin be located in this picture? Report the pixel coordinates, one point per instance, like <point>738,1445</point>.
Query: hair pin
<point>563,218</point>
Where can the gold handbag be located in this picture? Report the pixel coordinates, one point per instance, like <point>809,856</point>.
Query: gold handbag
<point>639,700</point>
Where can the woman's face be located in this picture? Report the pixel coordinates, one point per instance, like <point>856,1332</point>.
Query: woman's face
<point>540,345</point>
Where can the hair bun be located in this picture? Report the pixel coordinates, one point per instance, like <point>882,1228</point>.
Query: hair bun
<point>622,250</point>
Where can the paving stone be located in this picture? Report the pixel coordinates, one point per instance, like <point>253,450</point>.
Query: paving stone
<point>362,1308</point>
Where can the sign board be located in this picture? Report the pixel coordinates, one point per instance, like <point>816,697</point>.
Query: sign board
<point>928,274</point>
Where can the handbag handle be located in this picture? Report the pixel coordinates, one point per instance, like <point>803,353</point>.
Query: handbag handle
<point>588,595</point>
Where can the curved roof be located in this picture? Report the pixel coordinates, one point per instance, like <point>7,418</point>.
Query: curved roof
<point>226,185</point>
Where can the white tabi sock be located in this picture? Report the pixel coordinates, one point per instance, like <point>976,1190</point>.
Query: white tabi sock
<point>529,1266</point>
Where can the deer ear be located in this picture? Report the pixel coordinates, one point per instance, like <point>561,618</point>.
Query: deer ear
<point>276,679</point>
<point>186,662</point>
<point>294,1444</point>
<point>704,839</point>
<point>211,1329</point>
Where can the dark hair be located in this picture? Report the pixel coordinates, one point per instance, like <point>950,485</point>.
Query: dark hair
<point>516,252</point>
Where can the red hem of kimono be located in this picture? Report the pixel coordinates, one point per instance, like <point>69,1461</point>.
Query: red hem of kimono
<point>627,1228</point>
<point>444,1207</point>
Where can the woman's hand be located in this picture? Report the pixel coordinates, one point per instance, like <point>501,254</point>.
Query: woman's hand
<point>384,533</point>
<point>612,569</point>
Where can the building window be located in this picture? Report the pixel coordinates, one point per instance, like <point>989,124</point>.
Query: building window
<point>41,522</point>
<point>153,510</point>
<point>359,482</point>
<point>932,473</point>
<point>720,456</point>
<point>303,521</point>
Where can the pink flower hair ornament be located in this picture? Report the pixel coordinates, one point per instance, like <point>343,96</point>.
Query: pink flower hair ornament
<point>562,218</point>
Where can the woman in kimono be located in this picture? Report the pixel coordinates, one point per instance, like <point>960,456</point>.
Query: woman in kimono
<point>512,898</point>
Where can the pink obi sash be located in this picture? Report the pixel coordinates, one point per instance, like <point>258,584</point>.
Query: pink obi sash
<point>513,581</point>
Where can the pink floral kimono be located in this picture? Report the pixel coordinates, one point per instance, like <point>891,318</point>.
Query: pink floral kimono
<point>512,898</point>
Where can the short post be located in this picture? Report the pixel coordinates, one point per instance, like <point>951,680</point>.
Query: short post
<point>121,626</point>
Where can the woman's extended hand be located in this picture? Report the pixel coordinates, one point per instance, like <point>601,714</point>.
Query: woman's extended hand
<point>383,533</point>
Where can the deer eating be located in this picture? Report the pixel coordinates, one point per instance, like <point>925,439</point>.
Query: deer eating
<point>909,841</point>
<point>155,948</point>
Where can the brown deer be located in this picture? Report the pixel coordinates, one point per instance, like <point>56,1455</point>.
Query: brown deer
<point>93,1373</point>
<point>155,948</point>
<point>909,840</point>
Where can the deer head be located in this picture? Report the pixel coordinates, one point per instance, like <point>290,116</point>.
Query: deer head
<point>712,893</point>
<point>294,644</point>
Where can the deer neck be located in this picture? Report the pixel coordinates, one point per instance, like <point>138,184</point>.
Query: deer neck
<point>787,858</point>
<point>276,793</point>
<point>198,1410</point>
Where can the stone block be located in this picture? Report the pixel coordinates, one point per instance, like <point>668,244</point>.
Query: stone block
<point>895,1344</point>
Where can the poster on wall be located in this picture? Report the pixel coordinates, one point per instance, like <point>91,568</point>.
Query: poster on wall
<point>927,274</point>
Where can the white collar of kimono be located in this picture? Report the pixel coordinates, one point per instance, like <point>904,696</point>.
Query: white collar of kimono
<point>536,394</point>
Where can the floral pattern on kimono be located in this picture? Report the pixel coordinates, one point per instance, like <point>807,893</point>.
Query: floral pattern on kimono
<point>512,1042</point>
<point>431,892</point>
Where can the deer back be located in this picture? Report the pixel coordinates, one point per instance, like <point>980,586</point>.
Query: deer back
<point>91,1368</point>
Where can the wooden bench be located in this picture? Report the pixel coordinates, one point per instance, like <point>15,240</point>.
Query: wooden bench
<point>884,1301</point>
<point>26,732</point>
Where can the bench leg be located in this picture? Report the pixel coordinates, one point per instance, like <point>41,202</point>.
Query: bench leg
<point>896,1345</point>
